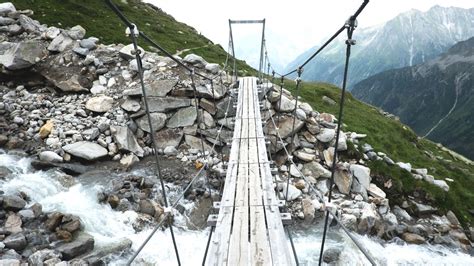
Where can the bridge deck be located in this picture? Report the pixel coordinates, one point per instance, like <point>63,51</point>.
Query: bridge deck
<point>249,230</point>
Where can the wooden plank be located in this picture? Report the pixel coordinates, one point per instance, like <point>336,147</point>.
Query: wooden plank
<point>219,245</point>
<point>259,242</point>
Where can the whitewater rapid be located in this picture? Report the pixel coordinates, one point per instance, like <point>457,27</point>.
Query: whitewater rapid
<point>109,226</point>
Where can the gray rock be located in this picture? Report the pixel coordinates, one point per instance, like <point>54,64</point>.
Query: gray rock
<point>6,21</point>
<point>213,68</point>
<point>52,32</point>
<point>86,150</point>
<point>285,125</point>
<point>167,104</point>
<point>423,209</point>
<point>30,25</point>
<point>158,121</point>
<point>126,52</point>
<point>388,160</point>
<point>129,160</point>
<point>316,170</point>
<point>401,213</point>
<point>183,117</point>
<point>305,156</point>
<point>361,180</point>
<point>331,255</point>
<point>13,223</point>
<point>160,87</point>
<point>405,166</point>
<point>89,43</point>
<point>294,171</point>
<point>10,262</point>
<point>343,180</point>
<point>202,91</point>
<point>442,184</point>
<point>285,104</point>
<point>50,156</point>
<point>413,238</point>
<point>300,114</point>
<point>91,133</point>
<point>225,106</point>
<point>61,43</point>
<point>15,56</point>
<point>131,105</point>
<point>82,244</point>
<point>15,241</point>
<point>81,51</point>
<point>376,191</point>
<point>328,100</point>
<point>13,203</point>
<point>4,172</point>
<point>168,137</point>
<point>452,218</point>
<point>306,108</point>
<point>308,210</point>
<point>100,104</point>
<point>293,192</point>
<point>207,119</point>
<point>170,150</point>
<point>326,135</point>
<point>6,8</point>
<point>195,143</point>
<point>77,32</point>
<point>209,106</point>
<point>195,60</point>
<point>40,256</point>
<point>125,140</point>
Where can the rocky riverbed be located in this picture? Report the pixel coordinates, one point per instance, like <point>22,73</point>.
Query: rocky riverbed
<point>74,105</point>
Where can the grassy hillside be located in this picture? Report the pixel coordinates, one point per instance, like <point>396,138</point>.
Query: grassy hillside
<point>401,144</point>
<point>99,21</point>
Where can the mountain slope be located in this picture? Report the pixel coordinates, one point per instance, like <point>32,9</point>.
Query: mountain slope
<point>408,39</point>
<point>435,98</point>
<point>99,21</point>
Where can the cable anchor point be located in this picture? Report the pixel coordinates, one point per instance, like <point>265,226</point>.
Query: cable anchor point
<point>129,30</point>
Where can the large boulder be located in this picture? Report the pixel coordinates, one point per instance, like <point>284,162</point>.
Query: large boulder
<point>15,241</point>
<point>183,117</point>
<point>169,137</point>
<point>225,106</point>
<point>13,223</point>
<point>82,244</point>
<point>158,121</point>
<point>125,140</point>
<point>6,8</point>
<point>326,135</point>
<point>86,150</point>
<point>361,180</point>
<point>30,25</point>
<point>100,104</point>
<point>13,203</point>
<point>127,52</point>
<point>195,143</point>
<point>77,32</point>
<point>195,60</point>
<point>413,238</point>
<point>15,56</point>
<point>293,192</point>
<point>202,91</point>
<point>40,256</point>
<point>343,179</point>
<point>166,104</point>
<point>285,126</point>
<point>160,87</point>
<point>285,104</point>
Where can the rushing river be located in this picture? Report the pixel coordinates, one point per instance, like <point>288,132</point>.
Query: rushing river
<point>108,226</point>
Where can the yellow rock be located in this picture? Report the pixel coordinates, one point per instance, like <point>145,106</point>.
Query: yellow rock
<point>198,165</point>
<point>46,129</point>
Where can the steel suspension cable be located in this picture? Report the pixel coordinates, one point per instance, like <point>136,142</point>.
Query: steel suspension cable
<point>152,133</point>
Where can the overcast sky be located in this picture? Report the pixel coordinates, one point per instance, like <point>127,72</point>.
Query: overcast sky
<point>295,25</point>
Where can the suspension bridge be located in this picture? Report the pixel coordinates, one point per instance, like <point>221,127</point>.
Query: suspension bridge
<point>250,223</point>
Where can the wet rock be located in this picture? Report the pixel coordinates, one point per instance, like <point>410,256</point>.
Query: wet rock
<point>308,210</point>
<point>82,244</point>
<point>147,207</point>
<point>86,150</point>
<point>100,104</point>
<point>125,140</point>
<point>167,104</point>
<point>4,172</point>
<point>15,241</point>
<point>368,219</point>
<point>183,117</point>
<point>129,160</point>
<point>413,238</point>
<point>158,121</point>
<point>50,156</point>
<point>401,213</point>
<point>452,218</point>
<point>113,201</point>
<point>15,56</point>
<point>13,223</point>
<point>13,203</point>
<point>40,256</point>
<point>331,255</point>
<point>53,221</point>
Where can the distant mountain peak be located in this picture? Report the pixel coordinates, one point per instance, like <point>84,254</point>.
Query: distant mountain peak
<point>410,38</point>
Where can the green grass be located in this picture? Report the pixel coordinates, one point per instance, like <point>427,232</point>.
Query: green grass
<point>99,21</point>
<point>401,144</point>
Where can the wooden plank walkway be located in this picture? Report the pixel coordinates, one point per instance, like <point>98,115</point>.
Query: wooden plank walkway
<point>249,230</point>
